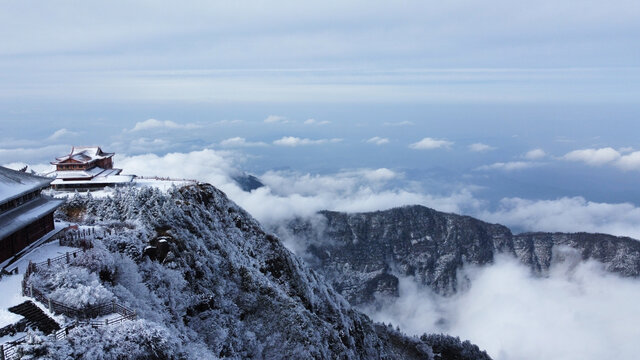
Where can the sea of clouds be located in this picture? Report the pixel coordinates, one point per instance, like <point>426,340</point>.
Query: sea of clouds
<point>578,311</point>
<point>290,193</point>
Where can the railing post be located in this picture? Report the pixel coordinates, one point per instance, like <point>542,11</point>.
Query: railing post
<point>48,262</point>
<point>106,321</point>
<point>67,256</point>
<point>50,305</point>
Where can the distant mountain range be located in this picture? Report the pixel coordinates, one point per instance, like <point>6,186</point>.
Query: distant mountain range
<point>361,253</point>
<point>247,182</point>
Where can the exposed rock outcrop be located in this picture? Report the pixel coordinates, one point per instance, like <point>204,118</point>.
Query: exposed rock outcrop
<point>360,253</point>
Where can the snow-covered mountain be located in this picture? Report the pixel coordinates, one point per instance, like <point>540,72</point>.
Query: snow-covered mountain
<point>361,253</point>
<point>208,282</point>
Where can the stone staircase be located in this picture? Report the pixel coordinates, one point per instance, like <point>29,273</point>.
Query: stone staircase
<point>35,317</point>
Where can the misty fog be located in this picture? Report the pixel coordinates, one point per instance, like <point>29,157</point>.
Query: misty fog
<point>576,312</point>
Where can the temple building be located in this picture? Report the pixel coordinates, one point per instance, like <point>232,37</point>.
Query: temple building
<point>87,168</point>
<point>25,214</point>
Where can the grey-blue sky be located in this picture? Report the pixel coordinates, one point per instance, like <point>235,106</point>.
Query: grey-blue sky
<point>332,51</point>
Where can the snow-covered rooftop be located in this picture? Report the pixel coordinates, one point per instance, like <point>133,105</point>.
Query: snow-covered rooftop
<point>101,179</point>
<point>96,175</point>
<point>14,184</point>
<point>20,217</point>
<point>79,174</point>
<point>84,154</point>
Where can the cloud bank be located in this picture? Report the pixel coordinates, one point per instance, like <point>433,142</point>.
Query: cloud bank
<point>577,312</point>
<point>60,133</point>
<point>378,140</point>
<point>293,141</point>
<point>624,159</point>
<point>161,124</point>
<point>480,147</point>
<point>535,154</point>
<point>398,123</point>
<point>509,166</point>
<point>594,157</point>
<point>275,119</point>
<point>430,143</point>
<point>289,193</point>
<point>292,193</point>
<point>567,214</point>
<point>240,142</point>
<point>316,122</point>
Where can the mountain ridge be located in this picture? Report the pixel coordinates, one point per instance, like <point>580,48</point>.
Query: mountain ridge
<point>361,253</point>
<point>218,286</point>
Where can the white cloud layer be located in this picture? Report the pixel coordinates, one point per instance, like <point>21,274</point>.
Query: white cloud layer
<point>293,141</point>
<point>398,123</point>
<point>578,312</point>
<point>430,143</point>
<point>275,119</point>
<point>229,122</point>
<point>593,157</point>
<point>240,142</point>
<point>161,124</point>
<point>33,155</point>
<point>215,167</point>
<point>38,168</point>
<point>629,161</point>
<point>567,214</point>
<point>61,133</point>
<point>144,144</point>
<point>624,159</point>
<point>509,166</point>
<point>535,154</point>
<point>316,122</point>
<point>290,193</point>
<point>377,140</point>
<point>480,147</point>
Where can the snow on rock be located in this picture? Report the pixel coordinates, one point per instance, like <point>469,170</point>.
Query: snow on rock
<point>138,339</point>
<point>71,285</point>
<point>225,289</point>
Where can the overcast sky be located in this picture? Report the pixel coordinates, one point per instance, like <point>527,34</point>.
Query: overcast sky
<point>330,51</point>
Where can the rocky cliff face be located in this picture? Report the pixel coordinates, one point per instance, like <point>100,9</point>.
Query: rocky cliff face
<point>619,255</point>
<point>218,286</point>
<point>361,253</point>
